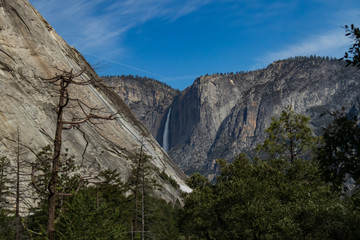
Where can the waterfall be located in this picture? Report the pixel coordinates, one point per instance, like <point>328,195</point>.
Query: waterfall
<point>166,132</point>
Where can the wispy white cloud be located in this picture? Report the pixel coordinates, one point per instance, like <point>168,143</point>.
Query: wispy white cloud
<point>112,61</point>
<point>145,71</point>
<point>99,25</point>
<point>329,43</point>
<point>326,43</point>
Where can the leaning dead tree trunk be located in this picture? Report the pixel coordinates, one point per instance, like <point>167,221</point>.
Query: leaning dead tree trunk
<point>86,114</point>
<point>63,101</point>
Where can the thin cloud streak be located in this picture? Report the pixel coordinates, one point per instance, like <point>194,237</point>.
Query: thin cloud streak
<point>161,77</point>
<point>127,66</point>
<point>103,32</point>
<point>331,43</point>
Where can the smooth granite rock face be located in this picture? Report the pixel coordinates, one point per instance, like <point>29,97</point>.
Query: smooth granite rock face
<point>221,115</point>
<point>30,51</point>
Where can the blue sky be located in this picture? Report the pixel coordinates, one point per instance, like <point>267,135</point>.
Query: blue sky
<point>176,41</point>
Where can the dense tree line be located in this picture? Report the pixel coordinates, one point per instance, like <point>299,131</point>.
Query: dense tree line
<point>105,208</point>
<point>297,187</point>
<point>312,58</point>
<point>134,77</point>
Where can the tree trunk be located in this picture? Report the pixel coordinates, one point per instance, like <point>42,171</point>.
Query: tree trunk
<point>143,207</point>
<point>17,209</point>
<point>136,192</point>
<point>292,155</point>
<point>55,163</point>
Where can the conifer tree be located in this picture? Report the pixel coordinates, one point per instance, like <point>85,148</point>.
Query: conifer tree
<point>289,137</point>
<point>339,155</point>
<point>141,184</point>
<point>352,56</point>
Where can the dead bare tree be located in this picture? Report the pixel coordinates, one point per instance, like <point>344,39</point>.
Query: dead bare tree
<point>86,114</point>
<point>17,186</point>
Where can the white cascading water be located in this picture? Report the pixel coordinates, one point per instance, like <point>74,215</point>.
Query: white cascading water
<point>166,132</point>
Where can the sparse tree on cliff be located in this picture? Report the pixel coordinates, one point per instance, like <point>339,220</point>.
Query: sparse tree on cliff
<point>14,182</point>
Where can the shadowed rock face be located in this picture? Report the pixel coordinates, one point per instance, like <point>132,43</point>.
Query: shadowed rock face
<point>149,106</point>
<point>31,50</point>
<point>220,116</point>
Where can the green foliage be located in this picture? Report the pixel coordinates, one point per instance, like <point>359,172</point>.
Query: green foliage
<point>197,181</point>
<point>68,181</point>
<point>289,137</point>
<point>87,216</point>
<point>141,183</point>
<point>103,211</point>
<point>352,57</point>
<point>162,220</point>
<point>141,174</point>
<point>7,230</point>
<point>339,155</point>
<point>68,178</point>
<point>272,199</point>
<point>282,197</point>
<point>169,179</point>
<point>197,217</point>
<point>100,211</point>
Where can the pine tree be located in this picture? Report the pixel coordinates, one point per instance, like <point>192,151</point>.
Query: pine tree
<point>272,199</point>
<point>289,137</point>
<point>339,155</point>
<point>141,184</point>
<point>352,56</point>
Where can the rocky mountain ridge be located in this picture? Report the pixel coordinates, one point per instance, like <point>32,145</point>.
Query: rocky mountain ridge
<point>30,52</point>
<point>221,115</point>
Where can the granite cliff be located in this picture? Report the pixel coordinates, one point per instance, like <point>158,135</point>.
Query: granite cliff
<point>149,106</point>
<point>221,115</point>
<point>31,51</point>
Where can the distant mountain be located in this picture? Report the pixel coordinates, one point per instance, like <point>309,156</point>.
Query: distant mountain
<point>221,115</point>
<point>31,51</point>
